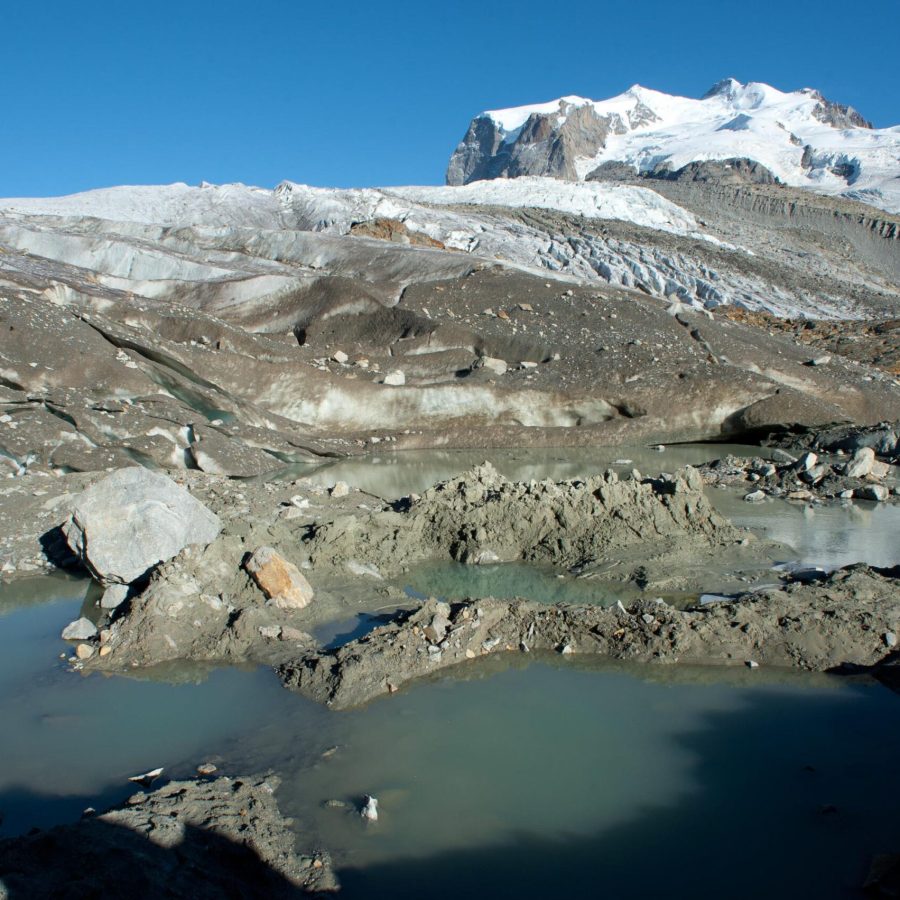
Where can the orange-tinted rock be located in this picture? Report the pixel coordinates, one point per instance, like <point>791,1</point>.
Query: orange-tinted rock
<point>281,581</point>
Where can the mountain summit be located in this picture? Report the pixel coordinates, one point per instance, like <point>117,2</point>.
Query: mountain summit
<point>799,138</point>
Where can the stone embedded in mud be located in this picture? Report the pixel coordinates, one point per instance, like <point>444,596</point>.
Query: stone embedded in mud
<point>340,489</point>
<point>133,519</point>
<point>281,581</point>
<point>436,630</point>
<point>395,378</point>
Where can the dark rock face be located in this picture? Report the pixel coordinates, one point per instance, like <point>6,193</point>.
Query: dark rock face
<point>836,114</point>
<point>737,170</point>
<point>541,146</point>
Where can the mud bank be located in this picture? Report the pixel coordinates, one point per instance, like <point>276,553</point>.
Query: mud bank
<point>849,619</point>
<point>200,606</point>
<point>481,517</point>
<point>188,839</point>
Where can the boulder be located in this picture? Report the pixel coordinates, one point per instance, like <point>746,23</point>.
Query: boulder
<point>281,581</point>
<point>497,366</point>
<point>134,519</point>
<point>80,630</point>
<point>861,463</point>
<point>877,492</point>
<point>114,596</point>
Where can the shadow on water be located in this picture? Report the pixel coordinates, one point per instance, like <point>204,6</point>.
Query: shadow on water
<point>93,858</point>
<point>779,804</point>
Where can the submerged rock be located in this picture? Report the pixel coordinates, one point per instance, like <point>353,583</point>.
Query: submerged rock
<point>134,519</point>
<point>369,809</point>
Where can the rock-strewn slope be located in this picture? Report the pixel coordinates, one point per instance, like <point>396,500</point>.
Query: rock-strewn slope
<point>179,388</point>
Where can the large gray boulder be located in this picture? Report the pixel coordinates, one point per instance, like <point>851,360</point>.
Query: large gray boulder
<point>133,519</point>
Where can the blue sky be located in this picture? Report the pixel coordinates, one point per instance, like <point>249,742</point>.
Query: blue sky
<point>364,93</point>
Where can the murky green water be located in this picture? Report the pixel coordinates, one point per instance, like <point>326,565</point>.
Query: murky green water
<point>68,742</point>
<point>560,780</point>
<point>528,777</point>
<point>454,581</point>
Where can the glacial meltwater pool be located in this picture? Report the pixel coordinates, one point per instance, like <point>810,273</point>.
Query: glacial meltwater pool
<point>529,776</point>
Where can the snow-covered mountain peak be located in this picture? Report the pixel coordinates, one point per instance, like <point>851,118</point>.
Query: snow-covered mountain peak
<point>726,87</point>
<point>799,137</point>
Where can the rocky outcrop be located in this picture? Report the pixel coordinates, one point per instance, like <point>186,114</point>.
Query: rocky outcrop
<point>848,620</point>
<point>188,840</point>
<point>737,170</point>
<point>134,519</point>
<point>809,477</point>
<point>547,144</point>
<point>873,236</point>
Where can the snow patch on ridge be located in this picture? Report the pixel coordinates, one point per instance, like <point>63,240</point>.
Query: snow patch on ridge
<point>593,200</point>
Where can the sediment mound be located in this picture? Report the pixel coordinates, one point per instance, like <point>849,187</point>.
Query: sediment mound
<point>189,839</point>
<point>201,606</point>
<point>481,517</point>
<point>850,618</point>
